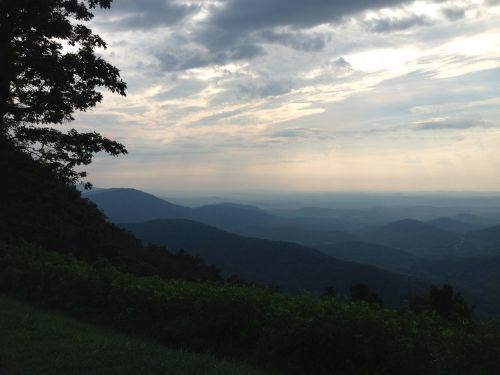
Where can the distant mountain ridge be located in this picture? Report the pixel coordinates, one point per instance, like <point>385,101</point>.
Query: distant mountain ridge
<point>453,225</point>
<point>367,253</point>
<point>413,236</point>
<point>422,239</point>
<point>122,205</point>
<point>131,205</point>
<point>288,265</point>
<point>490,235</point>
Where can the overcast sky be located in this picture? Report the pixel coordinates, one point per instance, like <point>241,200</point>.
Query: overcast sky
<point>316,95</point>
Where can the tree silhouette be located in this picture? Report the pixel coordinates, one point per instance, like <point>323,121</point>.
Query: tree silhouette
<point>49,70</point>
<point>361,292</point>
<point>449,304</point>
<point>329,292</point>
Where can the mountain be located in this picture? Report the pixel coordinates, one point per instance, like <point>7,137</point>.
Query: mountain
<point>372,254</point>
<point>288,265</point>
<point>254,222</point>
<point>36,207</point>
<point>130,205</point>
<point>415,237</point>
<point>452,225</point>
<point>488,235</point>
<point>233,217</point>
<point>483,220</point>
<point>342,219</point>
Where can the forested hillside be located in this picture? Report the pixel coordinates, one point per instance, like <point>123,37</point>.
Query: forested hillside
<point>290,266</point>
<point>37,207</point>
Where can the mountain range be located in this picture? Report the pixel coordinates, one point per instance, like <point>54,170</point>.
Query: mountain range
<point>288,265</point>
<point>301,251</point>
<point>130,205</point>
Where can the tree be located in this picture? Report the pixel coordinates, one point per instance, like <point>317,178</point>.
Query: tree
<point>329,292</point>
<point>449,304</point>
<point>361,292</point>
<point>445,302</point>
<point>49,70</point>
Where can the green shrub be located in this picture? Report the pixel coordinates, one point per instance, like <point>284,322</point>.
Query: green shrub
<point>302,334</point>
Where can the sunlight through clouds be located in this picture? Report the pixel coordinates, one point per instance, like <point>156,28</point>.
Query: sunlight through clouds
<point>241,89</point>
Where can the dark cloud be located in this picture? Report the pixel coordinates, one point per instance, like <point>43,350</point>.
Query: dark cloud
<point>238,30</point>
<point>234,30</point>
<point>263,14</point>
<point>246,88</point>
<point>453,13</point>
<point>388,24</point>
<point>144,14</point>
<point>171,61</point>
<point>296,40</point>
<point>271,88</point>
<point>341,63</point>
<point>257,21</point>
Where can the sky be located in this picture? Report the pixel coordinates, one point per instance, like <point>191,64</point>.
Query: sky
<point>289,95</point>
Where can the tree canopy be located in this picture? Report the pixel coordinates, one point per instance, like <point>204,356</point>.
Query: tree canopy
<point>50,69</point>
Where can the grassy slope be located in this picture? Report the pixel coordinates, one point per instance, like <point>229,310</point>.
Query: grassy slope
<point>40,341</point>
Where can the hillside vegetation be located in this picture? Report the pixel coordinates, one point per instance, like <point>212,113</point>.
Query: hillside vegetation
<point>301,335</point>
<point>288,265</point>
<point>37,207</point>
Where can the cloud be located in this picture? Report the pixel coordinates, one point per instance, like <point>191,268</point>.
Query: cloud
<point>145,14</point>
<point>453,13</point>
<point>297,40</point>
<point>181,89</point>
<point>271,88</point>
<point>341,63</point>
<point>276,21</point>
<point>190,58</point>
<point>453,124</point>
<point>249,15</point>
<point>390,24</point>
<point>221,83</point>
<point>299,133</point>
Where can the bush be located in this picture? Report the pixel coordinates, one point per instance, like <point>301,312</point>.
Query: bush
<point>302,334</point>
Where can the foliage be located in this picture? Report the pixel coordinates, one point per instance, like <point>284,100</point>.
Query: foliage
<point>50,70</point>
<point>298,334</point>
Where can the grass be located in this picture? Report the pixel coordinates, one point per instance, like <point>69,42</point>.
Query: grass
<point>35,340</point>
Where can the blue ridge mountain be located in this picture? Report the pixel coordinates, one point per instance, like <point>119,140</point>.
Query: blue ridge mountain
<point>288,265</point>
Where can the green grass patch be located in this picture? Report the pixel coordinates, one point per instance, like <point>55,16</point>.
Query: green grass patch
<point>34,340</point>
